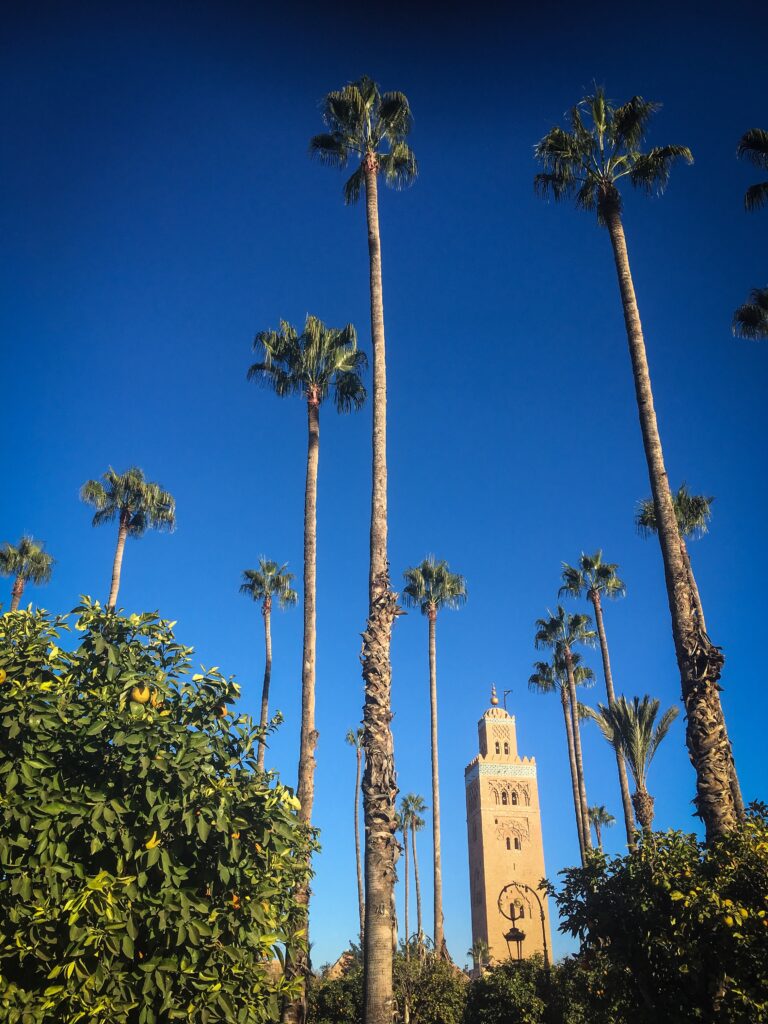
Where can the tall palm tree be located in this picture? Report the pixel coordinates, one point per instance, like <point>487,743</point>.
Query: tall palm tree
<point>600,818</point>
<point>431,586</point>
<point>561,632</point>
<point>480,952</point>
<point>270,580</point>
<point>693,513</point>
<point>595,578</point>
<point>750,321</point>
<point>413,806</point>
<point>137,504</point>
<point>318,362</point>
<point>552,677</point>
<point>632,728</point>
<point>355,739</point>
<point>27,562</point>
<point>753,146</point>
<point>404,826</point>
<point>370,128</point>
<point>589,162</point>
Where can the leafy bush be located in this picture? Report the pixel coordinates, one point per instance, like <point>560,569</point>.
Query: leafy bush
<point>147,868</point>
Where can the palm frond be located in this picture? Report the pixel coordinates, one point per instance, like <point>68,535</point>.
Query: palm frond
<point>756,196</point>
<point>399,167</point>
<point>394,116</point>
<point>750,321</point>
<point>353,186</point>
<point>330,149</point>
<point>651,170</point>
<point>753,146</point>
<point>630,122</point>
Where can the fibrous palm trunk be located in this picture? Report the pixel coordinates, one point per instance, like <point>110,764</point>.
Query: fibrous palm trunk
<point>379,783</point>
<point>585,834</point>
<point>266,612</point>
<point>620,765</point>
<point>565,701</point>
<point>419,929</point>
<point>436,846</point>
<point>16,591</point>
<point>643,804</point>
<point>407,891</point>
<point>599,836</point>
<point>117,564</point>
<point>699,661</point>
<point>295,1012</point>
<point>358,862</point>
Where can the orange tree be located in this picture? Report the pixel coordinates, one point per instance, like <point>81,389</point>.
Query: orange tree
<point>147,867</point>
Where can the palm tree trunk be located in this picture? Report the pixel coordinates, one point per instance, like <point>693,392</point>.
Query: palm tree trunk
<point>358,862</point>
<point>692,583</point>
<point>564,700</point>
<point>577,753</point>
<point>16,591</point>
<point>117,564</point>
<point>643,802</point>
<point>407,891</point>
<point>379,782</point>
<point>266,611</point>
<point>419,928</point>
<point>299,966</point>
<point>599,836</point>
<point>622,768</point>
<point>438,868</point>
<point>699,661</point>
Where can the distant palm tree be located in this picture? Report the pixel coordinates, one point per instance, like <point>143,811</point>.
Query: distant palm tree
<point>632,728</point>
<point>753,146</point>
<point>27,562</point>
<point>750,321</point>
<point>693,513</point>
<point>552,677</point>
<point>414,806</point>
<point>403,826</point>
<point>601,818</point>
<point>601,151</point>
<point>355,739</point>
<point>431,586</point>
<point>480,952</point>
<point>263,584</point>
<point>137,504</point>
<point>370,127</point>
<point>561,632</point>
<point>594,577</point>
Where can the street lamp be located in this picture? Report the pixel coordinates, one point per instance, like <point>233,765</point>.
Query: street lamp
<point>516,936</point>
<point>506,900</point>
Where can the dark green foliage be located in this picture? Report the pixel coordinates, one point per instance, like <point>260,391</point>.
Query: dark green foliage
<point>146,867</point>
<point>678,931</point>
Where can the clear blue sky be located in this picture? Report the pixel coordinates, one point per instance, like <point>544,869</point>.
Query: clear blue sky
<point>158,208</point>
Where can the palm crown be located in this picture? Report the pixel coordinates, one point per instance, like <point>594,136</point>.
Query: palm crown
<point>633,729</point>
<point>750,321</point>
<point>363,123</point>
<point>412,806</point>
<point>354,737</point>
<point>753,145</point>
<point>593,576</point>
<point>562,630</point>
<point>602,148</point>
<point>551,677</point>
<point>692,512</point>
<point>138,502</point>
<point>270,580</point>
<point>27,560</point>
<point>319,360</point>
<point>431,586</point>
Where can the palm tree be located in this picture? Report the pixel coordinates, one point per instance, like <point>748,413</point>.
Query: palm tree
<point>413,806</point>
<point>137,504</point>
<point>370,127</point>
<point>403,826</point>
<point>263,584</point>
<point>561,632</point>
<point>631,728</point>
<point>355,739</point>
<point>750,321</point>
<point>753,146</point>
<point>27,562</point>
<point>692,513</point>
<point>595,578</point>
<point>431,586</point>
<point>600,818</point>
<point>553,678</point>
<point>480,952</point>
<point>589,162</point>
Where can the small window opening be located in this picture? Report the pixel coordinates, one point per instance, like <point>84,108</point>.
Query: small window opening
<point>506,748</point>
<point>504,797</point>
<point>498,748</point>
<point>514,798</point>
<point>509,845</point>
<point>517,845</point>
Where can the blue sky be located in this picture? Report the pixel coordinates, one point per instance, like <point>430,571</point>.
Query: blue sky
<point>158,208</point>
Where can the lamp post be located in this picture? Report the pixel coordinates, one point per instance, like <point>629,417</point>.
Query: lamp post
<point>507,909</point>
<point>516,936</point>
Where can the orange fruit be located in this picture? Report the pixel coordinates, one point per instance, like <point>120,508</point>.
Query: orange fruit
<point>140,694</point>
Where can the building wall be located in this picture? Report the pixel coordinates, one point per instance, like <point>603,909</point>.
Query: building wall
<point>505,840</point>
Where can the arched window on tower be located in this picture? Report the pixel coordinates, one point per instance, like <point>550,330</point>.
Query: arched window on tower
<point>518,845</point>
<point>498,748</point>
<point>506,748</point>
<point>514,799</point>
<point>495,797</point>
<point>504,797</point>
<point>509,844</point>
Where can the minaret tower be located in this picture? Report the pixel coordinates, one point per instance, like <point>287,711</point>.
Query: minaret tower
<point>506,850</point>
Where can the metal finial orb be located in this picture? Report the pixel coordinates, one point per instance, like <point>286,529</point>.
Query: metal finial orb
<point>494,698</point>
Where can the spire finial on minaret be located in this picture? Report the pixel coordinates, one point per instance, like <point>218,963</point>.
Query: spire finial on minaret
<point>494,698</point>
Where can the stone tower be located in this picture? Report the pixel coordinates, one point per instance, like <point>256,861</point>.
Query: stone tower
<point>505,841</point>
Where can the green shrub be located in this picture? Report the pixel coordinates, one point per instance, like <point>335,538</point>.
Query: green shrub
<point>147,868</point>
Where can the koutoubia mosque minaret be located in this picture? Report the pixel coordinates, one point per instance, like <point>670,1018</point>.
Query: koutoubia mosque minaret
<point>506,850</point>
